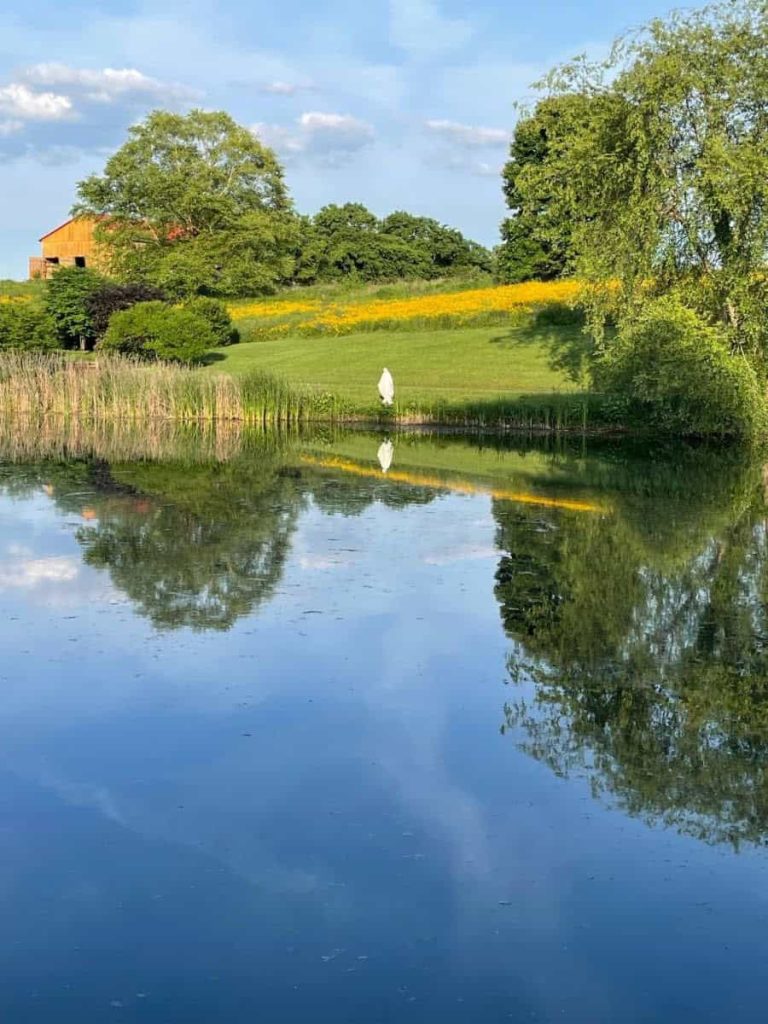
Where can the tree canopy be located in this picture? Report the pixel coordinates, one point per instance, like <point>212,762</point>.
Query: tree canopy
<point>536,237</point>
<point>660,162</point>
<point>350,241</point>
<point>194,203</point>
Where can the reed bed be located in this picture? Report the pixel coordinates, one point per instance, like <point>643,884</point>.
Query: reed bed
<point>125,390</point>
<point>54,394</point>
<point>556,413</point>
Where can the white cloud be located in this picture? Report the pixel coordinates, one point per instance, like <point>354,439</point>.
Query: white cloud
<point>342,129</point>
<point>328,138</point>
<point>467,135</point>
<point>280,88</point>
<point>466,164</point>
<point>20,103</point>
<point>419,27</point>
<point>103,85</point>
<point>55,113</point>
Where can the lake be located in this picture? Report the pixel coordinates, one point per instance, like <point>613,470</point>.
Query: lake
<point>348,729</point>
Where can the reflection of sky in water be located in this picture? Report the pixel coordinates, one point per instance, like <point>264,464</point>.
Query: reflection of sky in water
<point>314,816</point>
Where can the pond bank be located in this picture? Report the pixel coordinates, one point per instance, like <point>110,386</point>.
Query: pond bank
<point>124,389</point>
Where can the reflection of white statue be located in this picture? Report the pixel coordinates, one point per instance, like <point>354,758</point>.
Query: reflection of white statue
<point>386,387</point>
<point>385,453</point>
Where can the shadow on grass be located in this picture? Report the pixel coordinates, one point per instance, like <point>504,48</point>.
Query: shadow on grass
<point>560,331</point>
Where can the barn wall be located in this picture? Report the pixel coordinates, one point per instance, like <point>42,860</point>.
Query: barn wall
<point>65,244</point>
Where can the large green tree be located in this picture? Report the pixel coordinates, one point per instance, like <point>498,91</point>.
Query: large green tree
<point>664,170</point>
<point>196,204</point>
<point>536,236</point>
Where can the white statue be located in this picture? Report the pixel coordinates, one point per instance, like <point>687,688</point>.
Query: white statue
<point>386,387</point>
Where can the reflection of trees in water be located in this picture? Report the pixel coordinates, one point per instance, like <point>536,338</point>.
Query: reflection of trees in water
<point>645,634</point>
<point>212,544</point>
<point>196,545</point>
<point>350,497</point>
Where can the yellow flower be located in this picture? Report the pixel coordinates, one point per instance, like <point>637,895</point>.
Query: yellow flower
<point>449,309</point>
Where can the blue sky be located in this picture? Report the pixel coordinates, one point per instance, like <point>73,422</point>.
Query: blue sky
<point>394,103</point>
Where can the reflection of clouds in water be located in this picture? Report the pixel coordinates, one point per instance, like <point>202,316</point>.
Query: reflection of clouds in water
<point>320,563</point>
<point>54,581</point>
<point>462,553</point>
<point>403,719</point>
<point>28,573</point>
<point>79,794</point>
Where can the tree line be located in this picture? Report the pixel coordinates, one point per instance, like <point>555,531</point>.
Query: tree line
<point>196,204</point>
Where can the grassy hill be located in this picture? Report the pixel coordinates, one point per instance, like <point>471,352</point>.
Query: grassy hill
<point>457,365</point>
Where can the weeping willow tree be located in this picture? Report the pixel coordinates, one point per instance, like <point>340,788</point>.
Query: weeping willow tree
<point>662,168</point>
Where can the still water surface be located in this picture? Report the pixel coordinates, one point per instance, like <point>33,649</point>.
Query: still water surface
<point>286,738</point>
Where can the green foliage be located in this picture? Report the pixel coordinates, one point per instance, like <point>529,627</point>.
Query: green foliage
<point>68,294</point>
<point>155,330</point>
<point>349,219</point>
<point>249,258</point>
<point>111,297</point>
<point>672,371</point>
<point>195,204</point>
<point>443,250</point>
<point>217,317</point>
<point>662,167</point>
<point>350,242</point>
<point>25,325</point>
<point>536,237</point>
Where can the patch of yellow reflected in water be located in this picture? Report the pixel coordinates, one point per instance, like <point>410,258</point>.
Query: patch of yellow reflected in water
<point>461,486</point>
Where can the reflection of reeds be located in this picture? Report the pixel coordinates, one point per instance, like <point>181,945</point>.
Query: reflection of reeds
<point>126,390</point>
<point>31,439</point>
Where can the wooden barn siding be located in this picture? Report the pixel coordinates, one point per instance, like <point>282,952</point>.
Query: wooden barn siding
<point>65,243</point>
<point>73,239</point>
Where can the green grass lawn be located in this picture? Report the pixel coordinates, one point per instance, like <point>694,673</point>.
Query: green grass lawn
<point>459,365</point>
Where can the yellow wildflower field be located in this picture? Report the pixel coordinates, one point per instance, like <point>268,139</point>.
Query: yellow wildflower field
<point>270,319</point>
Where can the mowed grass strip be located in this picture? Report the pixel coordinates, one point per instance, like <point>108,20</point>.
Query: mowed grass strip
<point>470,364</point>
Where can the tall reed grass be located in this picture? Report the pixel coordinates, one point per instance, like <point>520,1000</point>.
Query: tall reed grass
<point>121,389</point>
<point>55,391</point>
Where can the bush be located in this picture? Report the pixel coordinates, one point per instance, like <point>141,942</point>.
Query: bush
<point>158,331</point>
<point>670,370</point>
<point>111,297</point>
<point>67,294</point>
<point>26,326</point>
<point>217,316</point>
